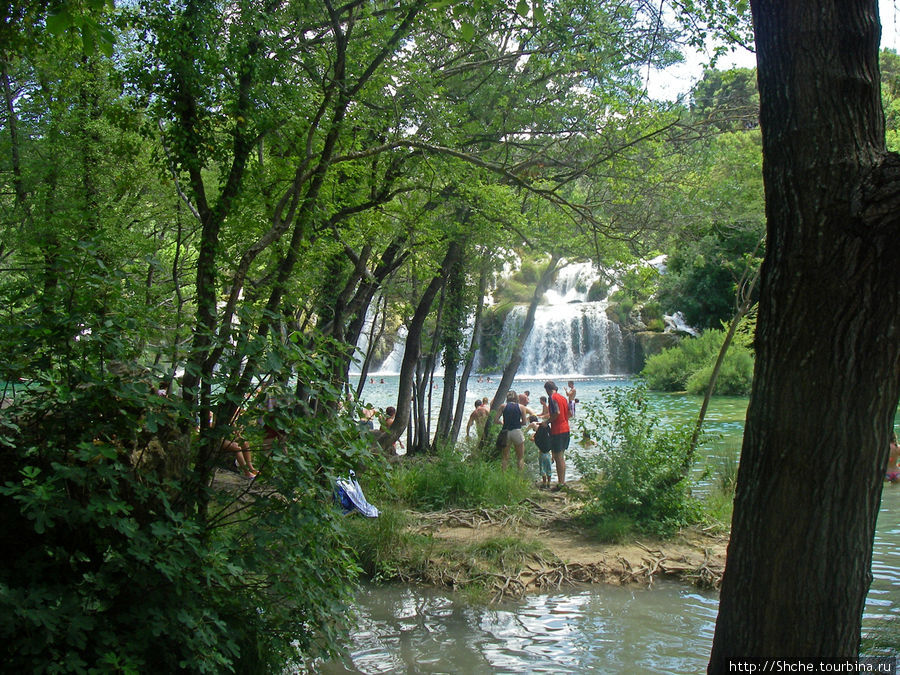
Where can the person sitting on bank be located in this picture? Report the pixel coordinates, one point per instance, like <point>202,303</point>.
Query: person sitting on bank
<point>390,414</point>
<point>513,417</point>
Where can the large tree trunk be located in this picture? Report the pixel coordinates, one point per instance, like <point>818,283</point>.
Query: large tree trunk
<point>826,385</point>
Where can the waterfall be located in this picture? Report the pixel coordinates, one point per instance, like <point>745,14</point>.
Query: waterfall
<point>571,336</point>
<point>392,362</point>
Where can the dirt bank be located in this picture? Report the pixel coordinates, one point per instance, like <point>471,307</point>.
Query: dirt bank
<point>693,555</point>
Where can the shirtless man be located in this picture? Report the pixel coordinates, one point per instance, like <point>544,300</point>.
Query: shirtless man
<point>478,417</point>
<point>570,394</point>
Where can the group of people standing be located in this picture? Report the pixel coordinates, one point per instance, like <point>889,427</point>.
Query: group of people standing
<point>551,429</point>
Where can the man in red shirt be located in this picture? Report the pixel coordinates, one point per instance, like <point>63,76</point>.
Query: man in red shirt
<point>559,430</point>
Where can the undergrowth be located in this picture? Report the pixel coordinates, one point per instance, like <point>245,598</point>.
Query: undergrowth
<point>449,480</point>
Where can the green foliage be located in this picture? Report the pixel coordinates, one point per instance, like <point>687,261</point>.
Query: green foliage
<point>107,551</point>
<point>610,528</point>
<point>636,285</point>
<point>638,473</point>
<point>890,96</point>
<point>688,365</point>
<point>735,376</point>
<point>721,472</point>
<point>724,213</point>
<point>506,554</point>
<point>491,344</point>
<point>384,547</point>
<point>450,480</point>
<point>727,99</point>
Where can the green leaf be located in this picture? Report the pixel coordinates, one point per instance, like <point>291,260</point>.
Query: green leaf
<point>467,31</point>
<point>522,8</point>
<point>58,22</point>
<point>107,451</point>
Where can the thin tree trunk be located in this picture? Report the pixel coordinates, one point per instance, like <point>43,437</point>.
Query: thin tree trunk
<point>744,301</point>
<point>512,366</point>
<point>374,337</point>
<point>824,392</point>
<point>414,343</point>
<point>470,356</point>
<point>453,326</point>
<point>430,363</point>
<point>12,123</point>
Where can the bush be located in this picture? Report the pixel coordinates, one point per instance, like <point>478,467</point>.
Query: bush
<point>639,471</point>
<point>449,480</point>
<point>735,376</point>
<point>688,366</point>
<point>384,546</point>
<point>116,557</point>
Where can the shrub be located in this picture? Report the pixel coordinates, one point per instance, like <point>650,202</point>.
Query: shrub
<point>688,366</point>
<point>735,376</point>
<point>639,471</point>
<point>651,311</point>
<point>115,557</point>
<point>449,480</point>
<point>384,546</point>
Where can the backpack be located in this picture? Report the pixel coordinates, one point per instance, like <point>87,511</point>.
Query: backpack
<point>542,438</point>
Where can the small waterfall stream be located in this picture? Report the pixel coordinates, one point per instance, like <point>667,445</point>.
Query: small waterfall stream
<point>571,335</point>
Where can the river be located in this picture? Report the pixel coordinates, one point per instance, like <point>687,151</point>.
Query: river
<point>604,629</point>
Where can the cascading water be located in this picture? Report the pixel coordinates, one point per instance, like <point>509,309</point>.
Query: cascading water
<point>571,336</point>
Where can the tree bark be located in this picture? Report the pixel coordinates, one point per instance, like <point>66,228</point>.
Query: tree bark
<point>452,336</point>
<point>825,392</point>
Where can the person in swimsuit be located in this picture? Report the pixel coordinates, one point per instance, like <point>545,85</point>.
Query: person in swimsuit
<point>570,394</point>
<point>478,418</point>
<point>512,415</point>
<point>892,471</point>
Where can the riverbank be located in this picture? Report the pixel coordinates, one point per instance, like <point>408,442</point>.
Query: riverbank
<point>539,545</point>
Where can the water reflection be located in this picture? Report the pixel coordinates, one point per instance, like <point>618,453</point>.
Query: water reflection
<point>608,629</point>
<point>602,629</point>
